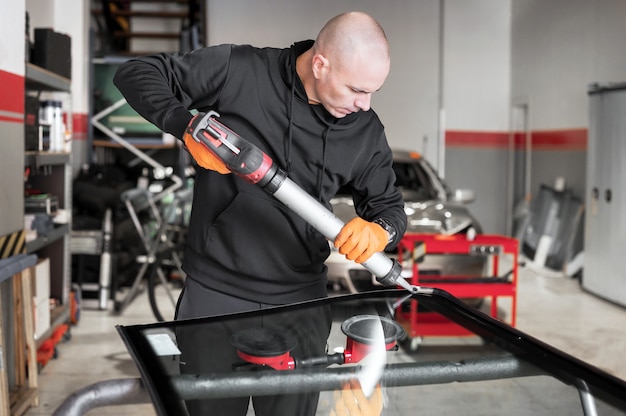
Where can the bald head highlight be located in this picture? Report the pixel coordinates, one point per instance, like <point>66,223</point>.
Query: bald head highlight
<point>350,33</point>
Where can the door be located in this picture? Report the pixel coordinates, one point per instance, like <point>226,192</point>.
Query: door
<point>605,201</point>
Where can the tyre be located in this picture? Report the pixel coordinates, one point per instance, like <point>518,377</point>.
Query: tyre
<point>164,288</point>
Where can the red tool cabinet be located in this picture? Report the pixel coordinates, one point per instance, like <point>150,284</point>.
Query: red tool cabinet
<point>420,323</point>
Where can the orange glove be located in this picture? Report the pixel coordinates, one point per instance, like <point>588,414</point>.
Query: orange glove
<point>352,402</point>
<point>359,239</point>
<point>202,155</point>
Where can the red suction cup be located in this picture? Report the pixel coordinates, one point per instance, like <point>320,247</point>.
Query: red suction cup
<point>264,346</point>
<point>361,331</point>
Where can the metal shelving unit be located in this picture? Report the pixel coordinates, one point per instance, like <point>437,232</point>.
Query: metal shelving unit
<point>51,172</point>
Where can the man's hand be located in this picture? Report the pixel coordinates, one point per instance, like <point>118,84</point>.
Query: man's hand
<point>359,239</point>
<point>352,402</point>
<point>202,155</point>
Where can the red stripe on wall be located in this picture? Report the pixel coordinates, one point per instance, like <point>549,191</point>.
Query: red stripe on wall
<point>482,139</point>
<point>12,96</point>
<point>560,140</point>
<point>575,139</point>
<point>80,124</point>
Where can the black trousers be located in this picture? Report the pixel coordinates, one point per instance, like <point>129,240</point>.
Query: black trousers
<point>207,349</point>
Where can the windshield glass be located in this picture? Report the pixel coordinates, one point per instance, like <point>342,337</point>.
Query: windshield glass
<point>416,179</point>
<point>413,179</point>
<point>325,346</point>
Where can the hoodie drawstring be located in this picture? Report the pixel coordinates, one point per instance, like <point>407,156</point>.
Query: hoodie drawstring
<point>320,174</point>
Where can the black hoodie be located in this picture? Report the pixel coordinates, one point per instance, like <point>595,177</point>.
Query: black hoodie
<point>242,241</point>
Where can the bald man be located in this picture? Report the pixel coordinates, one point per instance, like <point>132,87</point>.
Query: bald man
<point>308,108</point>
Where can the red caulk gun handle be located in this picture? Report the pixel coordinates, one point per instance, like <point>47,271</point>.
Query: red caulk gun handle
<point>240,156</point>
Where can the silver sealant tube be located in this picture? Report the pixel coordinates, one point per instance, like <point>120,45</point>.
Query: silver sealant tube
<point>327,223</point>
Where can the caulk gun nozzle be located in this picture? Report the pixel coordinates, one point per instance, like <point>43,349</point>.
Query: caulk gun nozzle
<point>405,285</point>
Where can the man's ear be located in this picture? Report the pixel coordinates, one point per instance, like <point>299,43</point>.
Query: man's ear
<point>320,65</point>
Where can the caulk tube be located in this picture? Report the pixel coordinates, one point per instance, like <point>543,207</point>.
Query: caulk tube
<point>387,271</point>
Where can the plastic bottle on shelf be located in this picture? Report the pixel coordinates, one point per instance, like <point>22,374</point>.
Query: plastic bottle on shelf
<point>50,113</point>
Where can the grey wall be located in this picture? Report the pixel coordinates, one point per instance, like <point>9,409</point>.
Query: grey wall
<point>476,91</point>
<point>11,178</point>
<point>560,47</point>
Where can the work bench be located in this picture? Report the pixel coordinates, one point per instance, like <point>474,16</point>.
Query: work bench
<point>497,281</point>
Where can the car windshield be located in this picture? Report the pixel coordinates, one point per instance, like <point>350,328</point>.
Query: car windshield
<point>416,179</point>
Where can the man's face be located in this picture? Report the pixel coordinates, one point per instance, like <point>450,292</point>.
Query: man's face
<point>346,87</point>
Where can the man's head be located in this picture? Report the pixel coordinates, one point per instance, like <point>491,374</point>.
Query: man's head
<point>350,61</point>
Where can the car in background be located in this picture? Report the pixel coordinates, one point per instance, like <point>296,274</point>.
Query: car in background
<point>431,208</point>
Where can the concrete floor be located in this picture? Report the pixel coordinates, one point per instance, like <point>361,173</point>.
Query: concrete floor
<point>551,308</point>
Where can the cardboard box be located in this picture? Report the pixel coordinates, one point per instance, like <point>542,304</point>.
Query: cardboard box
<point>41,316</point>
<point>40,275</point>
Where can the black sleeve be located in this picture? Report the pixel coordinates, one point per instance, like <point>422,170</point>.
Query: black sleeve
<point>376,196</point>
<point>164,88</point>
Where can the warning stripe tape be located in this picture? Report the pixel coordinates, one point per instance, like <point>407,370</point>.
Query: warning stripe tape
<point>12,244</point>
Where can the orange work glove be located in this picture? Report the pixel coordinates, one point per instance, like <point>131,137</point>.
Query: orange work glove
<point>359,239</point>
<point>351,401</point>
<point>202,155</point>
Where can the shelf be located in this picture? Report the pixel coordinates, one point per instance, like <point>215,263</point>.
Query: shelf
<point>38,78</point>
<point>35,158</point>
<point>57,233</point>
<point>157,144</point>
<point>111,59</point>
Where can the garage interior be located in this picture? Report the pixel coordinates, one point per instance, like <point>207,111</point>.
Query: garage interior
<point>519,103</point>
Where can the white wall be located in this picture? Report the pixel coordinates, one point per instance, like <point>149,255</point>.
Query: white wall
<point>476,57</point>
<point>12,52</point>
<point>552,60</point>
<point>560,46</point>
<point>477,52</point>
<point>407,103</point>
<point>12,34</point>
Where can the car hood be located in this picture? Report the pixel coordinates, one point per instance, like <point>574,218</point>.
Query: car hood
<point>424,217</point>
<point>438,217</point>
